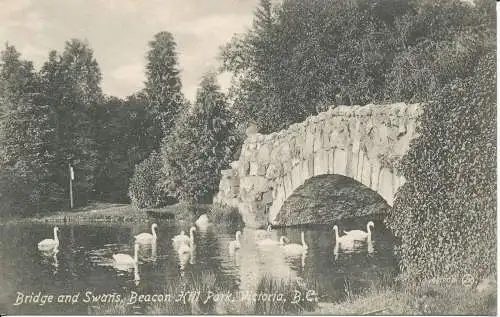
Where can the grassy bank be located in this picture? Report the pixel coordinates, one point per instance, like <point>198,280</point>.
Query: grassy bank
<point>122,213</point>
<point>422,299</point>
<point>425,298</point>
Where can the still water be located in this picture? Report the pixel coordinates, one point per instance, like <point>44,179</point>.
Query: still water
<point>83,265</point>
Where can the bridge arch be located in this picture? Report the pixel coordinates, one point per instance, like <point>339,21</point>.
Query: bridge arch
<point>363,143</point>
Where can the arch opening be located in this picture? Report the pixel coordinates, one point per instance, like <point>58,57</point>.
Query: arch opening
<point>328,198</point>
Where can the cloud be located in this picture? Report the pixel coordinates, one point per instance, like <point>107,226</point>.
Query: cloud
<point>124,80</point>
<point>119,31</point>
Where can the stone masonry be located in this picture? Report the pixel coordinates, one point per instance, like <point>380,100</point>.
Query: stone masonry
<point>361,142</point>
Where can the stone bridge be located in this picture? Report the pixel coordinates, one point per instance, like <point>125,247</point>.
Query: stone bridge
<point>364,143</point>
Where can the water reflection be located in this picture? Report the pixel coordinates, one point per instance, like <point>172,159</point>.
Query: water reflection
<point>49,259</point>
<point>84,260</point>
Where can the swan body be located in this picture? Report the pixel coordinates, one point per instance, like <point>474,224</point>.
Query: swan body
<point>202,222</point>
<point>360,235</point>
<point>49,244</point>
<point>294,248</point>
<point>345,240</point>
<point>179,240</point>
<point>187,245</point>
<point>125,260</point>
<point>235,244</point>
<point>271,242</point>
<point>263,233</point>
<point>147,238</point>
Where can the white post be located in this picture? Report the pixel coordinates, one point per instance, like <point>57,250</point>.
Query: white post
<point>71,177</point>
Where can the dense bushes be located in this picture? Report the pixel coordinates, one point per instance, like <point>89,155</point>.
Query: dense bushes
<point>446,212</point>
<point>144,189</point>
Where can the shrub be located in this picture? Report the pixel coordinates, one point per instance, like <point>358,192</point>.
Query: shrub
<point>144,190</point>
<point>445,213</point>
<point>225,216</point>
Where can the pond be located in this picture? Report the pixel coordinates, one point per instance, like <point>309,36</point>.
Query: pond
<point>83,266</point>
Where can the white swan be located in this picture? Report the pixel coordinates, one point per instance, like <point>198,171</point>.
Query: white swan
<point>202,222</point>
<point>259,234</point>
<point>125,261</point>
<point>179,240</point>
<point>187,245</point>
<point>271,242</point>
<point>360,235</point>
<point>235,244</point>
<point>147,238</point>
<point>345,240</point>
<point>49,244</point>
<point>294,248</point>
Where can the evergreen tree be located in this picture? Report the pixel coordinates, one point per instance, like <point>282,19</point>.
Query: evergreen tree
<point>163,86</point>
<point>200,146</point>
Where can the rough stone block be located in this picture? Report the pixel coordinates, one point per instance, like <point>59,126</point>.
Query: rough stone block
<point>254,183</point>
<point>340,162</point>
<point>309,142</point>
<point>320,163</point>
<point>331,161</point>
<point>318,139</point>
<point>274,170</point>
<point>366,172</point>
<point>385,185</point>
<point>253,168</point>
<point>375,175</point>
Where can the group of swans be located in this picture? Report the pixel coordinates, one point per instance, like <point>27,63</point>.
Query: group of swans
<point>290,249</point>
<point>122,260</point>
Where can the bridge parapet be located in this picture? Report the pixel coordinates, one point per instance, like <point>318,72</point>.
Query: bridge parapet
<point>361,142</point>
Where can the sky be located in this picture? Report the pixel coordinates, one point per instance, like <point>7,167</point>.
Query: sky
<point>119,31</point>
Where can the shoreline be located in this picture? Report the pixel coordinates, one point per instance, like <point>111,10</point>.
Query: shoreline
<point>106,212</point>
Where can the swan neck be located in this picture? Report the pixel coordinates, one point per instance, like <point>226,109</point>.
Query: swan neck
<point>368,229</point>
<point>303,240</point>
<point>336,233</point>
<point>55,235</point>
<point>153,231</point>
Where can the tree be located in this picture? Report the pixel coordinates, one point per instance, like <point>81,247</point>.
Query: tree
<point>163,85</point>
<point>200,146</point>
<point>71,88</point>
<point>25,131</point>
<point>122,137</point>
<point>302,56</point>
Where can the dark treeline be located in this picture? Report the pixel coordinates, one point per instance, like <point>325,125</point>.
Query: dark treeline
<point>58,116</point>
<point>156,148</point>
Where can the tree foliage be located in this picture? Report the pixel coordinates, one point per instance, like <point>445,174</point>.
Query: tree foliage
<point>163,85</point>
<point>445,213</point>
<point>122,136</point>
<point>200,146</point>
<point>25,131</point>
<point>303,55</point>
<point>144,189</point>
<point>71,89</point>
